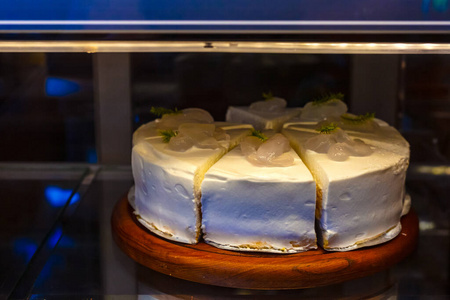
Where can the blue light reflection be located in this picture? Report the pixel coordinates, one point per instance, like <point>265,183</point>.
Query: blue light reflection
<point>25,248</point>
<point>57,197</point>
<point>91,155</point>
<point>54,238</point>
<point>58,87</point>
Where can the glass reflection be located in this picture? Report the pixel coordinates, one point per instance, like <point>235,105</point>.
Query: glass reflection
<point>57,197</point>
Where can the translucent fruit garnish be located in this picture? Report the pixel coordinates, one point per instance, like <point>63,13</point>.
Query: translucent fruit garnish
<point>358,119</point>
<point>250,145</point>
<point>160,111</point>
<point>272,153</point>
<point>167,135</point>
<point>188,115</point>
<point>362,123</point>
<point>204,136</point>
<point>338,145</point>
<point>271,105</point>
<point>328,98</point>
<point>327,128</point>
<point>324,108</point>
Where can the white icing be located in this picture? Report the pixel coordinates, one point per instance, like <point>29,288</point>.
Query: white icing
<point>384,136</point>
<point>167,182</point>
<point>252,208</point>
<point>261,119</point>
<point>361,197</point>
<point>406,204</point>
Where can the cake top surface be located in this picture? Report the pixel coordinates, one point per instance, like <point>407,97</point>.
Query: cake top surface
<point>354,166</point>
<point>382,135</point>
<point>149,143</point>
<point>235,166</point>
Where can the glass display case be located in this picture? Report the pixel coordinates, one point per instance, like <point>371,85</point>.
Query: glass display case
<point>76,81</point>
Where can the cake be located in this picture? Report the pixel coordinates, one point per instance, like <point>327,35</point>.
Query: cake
<point>251,202</point>
<point>360,183</point>
<point>271,113</point>
<point>344,175</point>
<point>168,173</point>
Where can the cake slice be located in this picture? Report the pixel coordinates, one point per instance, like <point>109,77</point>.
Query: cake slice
<point>359,193</point>
<point>268,114</point>
<point>168,175</point>
<point>248,205</point>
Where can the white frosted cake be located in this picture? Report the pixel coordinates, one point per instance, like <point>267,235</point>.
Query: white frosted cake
<point>271,113</point>
<point>168,176</point>
<point>255,205</point>
<point>345,174</point>
<point>360,186</point>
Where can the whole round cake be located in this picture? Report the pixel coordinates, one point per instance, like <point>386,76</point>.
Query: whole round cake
<point>326,178</point>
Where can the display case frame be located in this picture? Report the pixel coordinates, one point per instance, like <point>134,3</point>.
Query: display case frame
<point>111,50</point>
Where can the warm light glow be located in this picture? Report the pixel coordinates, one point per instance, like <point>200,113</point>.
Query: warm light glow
<point>426,225</point>
<point>228,46</point>
<point>401,46</point>
<point>433,170</point>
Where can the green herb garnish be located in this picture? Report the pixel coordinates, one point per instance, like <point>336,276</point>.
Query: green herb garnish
<point>328,128</point>
<point>358,119</point>
<point>267,96</point>
<point>167,135</point>
<point>259,135</point>
<point>327,98</point>
<point>160,111</point>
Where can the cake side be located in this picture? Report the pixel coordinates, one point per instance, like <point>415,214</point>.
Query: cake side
<point>359,199</point>
<point>168,183</point>
<point>253,208</point>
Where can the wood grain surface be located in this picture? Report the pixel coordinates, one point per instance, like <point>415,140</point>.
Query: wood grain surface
<point>206,264</point>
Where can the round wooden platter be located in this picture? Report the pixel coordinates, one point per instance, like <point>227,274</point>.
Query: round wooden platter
<point>206,264</point>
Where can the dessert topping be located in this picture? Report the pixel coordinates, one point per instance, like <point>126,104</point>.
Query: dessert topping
<point>336,143</point>
<point>324,108</point>
<point>274,152</point>
<point>270,104</point>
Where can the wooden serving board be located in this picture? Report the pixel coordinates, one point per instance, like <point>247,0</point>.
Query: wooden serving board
<point>206,264</point>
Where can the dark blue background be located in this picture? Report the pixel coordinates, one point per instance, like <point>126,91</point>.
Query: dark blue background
<point>251,10</point>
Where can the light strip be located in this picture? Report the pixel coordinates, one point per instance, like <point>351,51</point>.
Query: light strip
<point>227,22</point>
<point>231,47</point>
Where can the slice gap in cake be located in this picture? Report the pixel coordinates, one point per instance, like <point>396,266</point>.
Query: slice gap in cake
<point>359,199</point>
<point>168,182</point>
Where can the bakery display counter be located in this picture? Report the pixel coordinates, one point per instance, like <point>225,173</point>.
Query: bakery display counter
<point>67,249</point>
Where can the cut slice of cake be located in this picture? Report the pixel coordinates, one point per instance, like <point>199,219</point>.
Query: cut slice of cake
<point>256,202</point>
<point>360,186</point>
<point>168,170</point>
<point>271,113</point>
